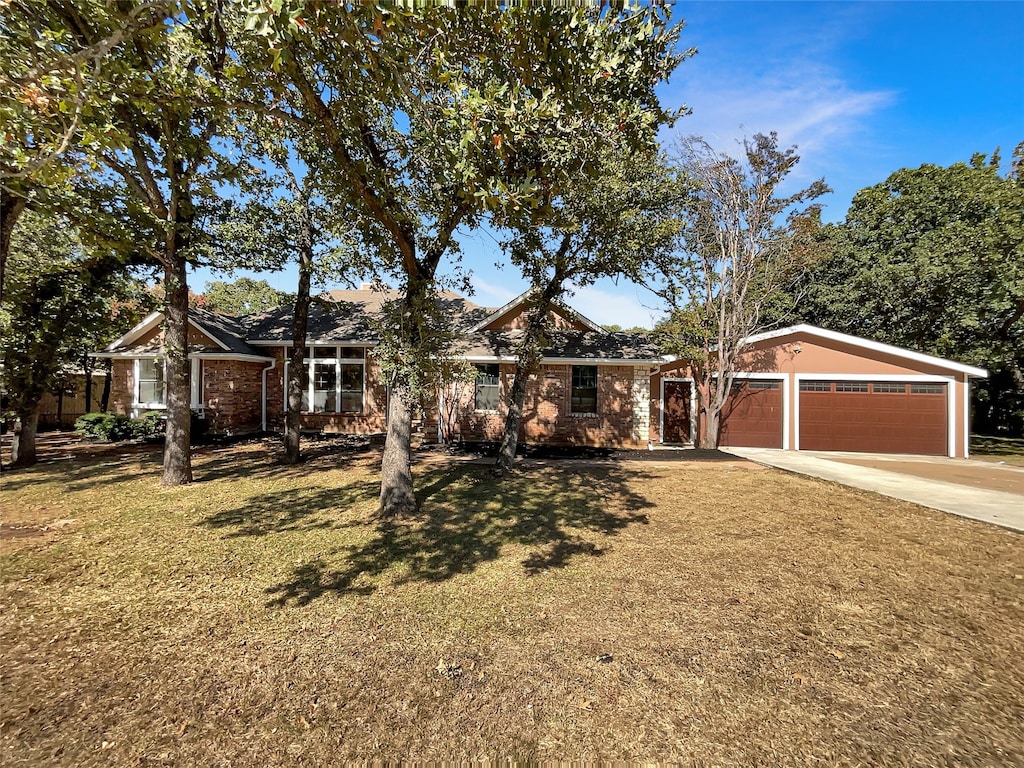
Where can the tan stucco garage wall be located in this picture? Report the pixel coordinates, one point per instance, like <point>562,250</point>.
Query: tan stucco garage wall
<point>807,355</point>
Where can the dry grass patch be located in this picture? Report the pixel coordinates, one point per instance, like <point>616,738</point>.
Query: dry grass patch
<point>708,613</point>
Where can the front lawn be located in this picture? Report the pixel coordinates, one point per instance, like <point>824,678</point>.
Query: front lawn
<point>709,612</point>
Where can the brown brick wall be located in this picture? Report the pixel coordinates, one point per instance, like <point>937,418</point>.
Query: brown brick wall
<point>370,421</point>
<point>232,392</point>
<point>546,416</point>
<point>122,386</point>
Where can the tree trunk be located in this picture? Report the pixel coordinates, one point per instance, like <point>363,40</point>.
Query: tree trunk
<point>11,208</point>
<point>60,409</point>
<point>298,378</point>
<point>108,365</point>
<point>88,365</point>
<point>528,358</point>
<point>23,442</point>
<point>396,491</point>
<point>177,451</point>
<point>513,419</point>
<point>712,422</point>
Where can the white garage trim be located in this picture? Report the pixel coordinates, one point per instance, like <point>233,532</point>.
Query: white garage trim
<point>693,407</point>
<point>949,381</point>
<point>967,416</point>
<point>876,346</point>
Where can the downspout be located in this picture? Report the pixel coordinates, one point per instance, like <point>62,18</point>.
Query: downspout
<point>268,369</point>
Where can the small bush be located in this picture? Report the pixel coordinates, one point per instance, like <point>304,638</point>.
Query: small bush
<point>109,427</point>
<point>150,424</point>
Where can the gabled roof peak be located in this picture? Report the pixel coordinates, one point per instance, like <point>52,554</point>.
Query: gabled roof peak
<point>522,299</point>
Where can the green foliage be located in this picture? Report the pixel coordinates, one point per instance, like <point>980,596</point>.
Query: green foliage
<point>741,247</point>
<point>933,259</point>
<point>241,297</point>
<point>115,427</point>
<point>61,302</point>
<point>108,427</point>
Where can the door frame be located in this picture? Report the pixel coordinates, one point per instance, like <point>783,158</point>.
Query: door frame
<point>949,381</point>
<point>693,407</point>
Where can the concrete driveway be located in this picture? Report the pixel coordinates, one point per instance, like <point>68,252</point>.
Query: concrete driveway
<point>992,493</point>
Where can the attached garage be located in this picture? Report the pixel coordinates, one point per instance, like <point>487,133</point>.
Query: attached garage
<point>752,417</point>
<point>808,388</point>
<point>873,416</point>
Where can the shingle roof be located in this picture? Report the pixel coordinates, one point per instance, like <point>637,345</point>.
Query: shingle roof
<point>348,316</point>
<point>567,345</point>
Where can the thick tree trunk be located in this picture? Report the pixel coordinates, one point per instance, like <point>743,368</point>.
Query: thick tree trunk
<point>298,378</point>
<point>23,443</point>
<point>108,378</point>
<point>177,451</point>
<point>712,422</point>
<point>397,496</point>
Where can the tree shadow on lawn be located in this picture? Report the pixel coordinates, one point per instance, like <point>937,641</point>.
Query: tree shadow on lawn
<point>466,519</point>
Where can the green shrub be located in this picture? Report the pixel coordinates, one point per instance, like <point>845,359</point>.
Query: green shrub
<point>150,424</point>
<point>109,427</point>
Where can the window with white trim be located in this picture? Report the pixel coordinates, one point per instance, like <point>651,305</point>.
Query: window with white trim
<point>150,383</point>
<point>583,395</point>
<point>337,380</point>
<point>487,395</point>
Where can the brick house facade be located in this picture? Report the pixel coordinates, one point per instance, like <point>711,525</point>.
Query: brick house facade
<point>798,386</point>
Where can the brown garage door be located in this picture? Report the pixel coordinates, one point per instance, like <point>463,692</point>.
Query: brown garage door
<point>879,417</point>
<point>676,415</point>
<point>752,416</point>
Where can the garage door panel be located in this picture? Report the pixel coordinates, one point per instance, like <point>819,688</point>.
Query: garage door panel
<point>752,416</point>
<point>885,421</point>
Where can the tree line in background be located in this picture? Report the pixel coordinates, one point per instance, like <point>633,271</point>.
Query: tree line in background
<point>354,141</point>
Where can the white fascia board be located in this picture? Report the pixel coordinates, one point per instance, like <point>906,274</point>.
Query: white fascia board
<point>191,356</point>
<point>320,343</point>
<point>567,360</point>
<point>219,356</point>
<point>499,312</point>
<point>199,327</point>
<point>151,320</point>
<point>875,346</point>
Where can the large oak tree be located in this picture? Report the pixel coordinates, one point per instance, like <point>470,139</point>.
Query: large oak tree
<point>434,118</point>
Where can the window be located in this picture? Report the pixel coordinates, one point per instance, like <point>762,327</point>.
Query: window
<point>927,389</point>
<point>584,389</point>
<point>487,396</point>
<point>888,387</point>
<point>150,386</point>
<point>815,386</point>
<point>763,384</point>
<point>336,380</point>
<point>851,386</point>
<point>351,388</point>
<point>325,388</point>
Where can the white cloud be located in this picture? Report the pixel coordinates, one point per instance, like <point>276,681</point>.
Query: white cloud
<point>490,295</point>
<point>806,103</point>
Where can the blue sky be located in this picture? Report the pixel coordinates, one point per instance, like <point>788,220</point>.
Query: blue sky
<point>862,89</point>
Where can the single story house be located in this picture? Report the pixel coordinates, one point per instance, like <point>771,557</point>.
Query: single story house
<point>800,387</point>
